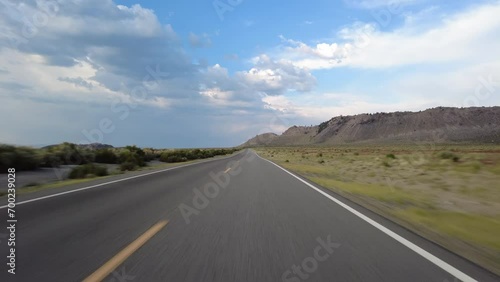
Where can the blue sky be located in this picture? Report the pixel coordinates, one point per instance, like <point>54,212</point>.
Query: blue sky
<point>210,73</point>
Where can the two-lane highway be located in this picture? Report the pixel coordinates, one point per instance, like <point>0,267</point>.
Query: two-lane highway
<point>240,218</point>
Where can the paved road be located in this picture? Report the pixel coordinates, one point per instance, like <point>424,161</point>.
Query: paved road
<point>258,223</point>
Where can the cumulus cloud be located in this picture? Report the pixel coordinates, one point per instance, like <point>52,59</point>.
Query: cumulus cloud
<point>427,56</point>
<point>277,76</point>
<point>124,46</point>
<point>120,44</point>
<point>469,35</point>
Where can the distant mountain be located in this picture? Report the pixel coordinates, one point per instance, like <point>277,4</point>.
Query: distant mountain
<point>437,125</point>
<point>261,139</point>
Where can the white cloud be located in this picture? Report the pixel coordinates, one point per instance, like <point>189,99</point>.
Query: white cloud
<point>277,76</point>
<point>318,107</point>
<point>467,36</point>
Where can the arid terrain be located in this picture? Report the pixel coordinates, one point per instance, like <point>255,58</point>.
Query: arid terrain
<point>449,194</point>
<point>436,172</point>
<point>437,126</point>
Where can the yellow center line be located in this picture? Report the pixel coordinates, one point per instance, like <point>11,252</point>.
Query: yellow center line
<point>113,263</point>
<point>227,170</point>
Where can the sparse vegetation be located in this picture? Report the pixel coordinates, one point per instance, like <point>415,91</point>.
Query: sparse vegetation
<point>322,126</point>
<point>87,171</point>
<point>449,156</point>
<point>391,156</point>
<point>447,193</point>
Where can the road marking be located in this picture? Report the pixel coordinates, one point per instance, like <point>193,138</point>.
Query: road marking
<point>114,181</point>
<point>435,260</point>
<point>118,259</point>
<point>225,171</point>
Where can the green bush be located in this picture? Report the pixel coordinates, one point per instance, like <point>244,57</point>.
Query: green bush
<point>20,158</point>
<point>134,155</point>
<point>174,156</point>
<point>50,159</point>
<point>68,154</point>
<point>391,156</point>
<point>83,171</point>
<point>106,156</point>
<point>128,166</point>
<point>449,156</point>
<point>150,154</point>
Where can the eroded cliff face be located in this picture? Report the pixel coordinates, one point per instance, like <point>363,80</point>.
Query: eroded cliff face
<point>438,125</point>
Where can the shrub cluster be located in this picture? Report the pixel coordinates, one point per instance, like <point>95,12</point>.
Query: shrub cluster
<point>65,154</point>
<point>106,156</point>
<point>88,170</point>
<point>26,158</point>
<point>183,155</point>
<point>21,158</point>
<point>131,157</point>
<point>391,156</point>
<point>449,156</point>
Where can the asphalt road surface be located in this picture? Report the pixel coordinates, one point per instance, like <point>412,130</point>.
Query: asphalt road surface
<point>240,218</point>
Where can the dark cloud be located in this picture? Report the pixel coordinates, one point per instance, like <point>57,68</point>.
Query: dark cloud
<point>118,47</point>
<point>77,81</point>
<point>118,40</point>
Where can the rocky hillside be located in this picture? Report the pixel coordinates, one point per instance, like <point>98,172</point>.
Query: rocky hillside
<point>261,140</point>
<point>438,125</point>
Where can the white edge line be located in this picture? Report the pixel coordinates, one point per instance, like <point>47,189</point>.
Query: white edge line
<point>110,182</point>
<point>442,264</point>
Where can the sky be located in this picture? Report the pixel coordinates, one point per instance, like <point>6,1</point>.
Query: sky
<point>204,73</point>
